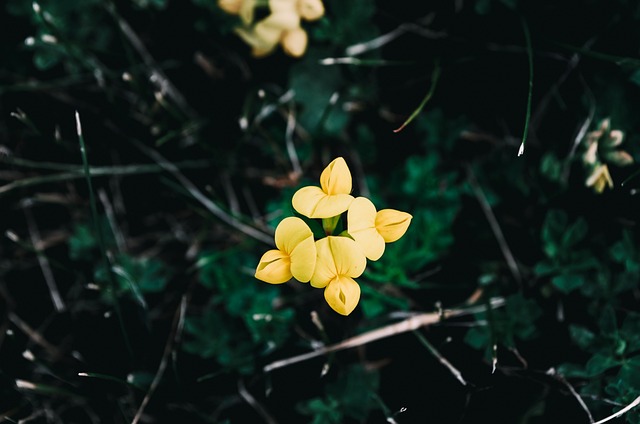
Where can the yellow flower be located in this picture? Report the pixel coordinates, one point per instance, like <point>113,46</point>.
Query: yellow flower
<point>339,261</point>
<point>371,229</point>
<point>599,179</point>
<point>295,256</point>
<point>602,149</point>
<point>332,197</point>
<point>281,26</point>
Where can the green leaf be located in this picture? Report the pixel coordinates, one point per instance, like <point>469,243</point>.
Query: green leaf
<point>607,321</point>
<point>214,335</point>
<point>349,22</point>
<point>324,411</point>
<point>581,336</point>
<point>477,338</point>
<point>566,283</point>
<point>137,275</point>
<point>575,233</point>
<point>600,363</point>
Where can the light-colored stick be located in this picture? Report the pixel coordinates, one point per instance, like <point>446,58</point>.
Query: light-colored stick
<point>621,412</point>
<point>412,323</point>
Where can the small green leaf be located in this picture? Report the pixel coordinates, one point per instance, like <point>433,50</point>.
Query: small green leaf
<point>566,283</point>
<point>599,363</point>
<point>581,336</point>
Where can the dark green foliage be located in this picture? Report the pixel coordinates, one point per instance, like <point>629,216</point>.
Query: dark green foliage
<point>352,395</point>
<point>195,149</point>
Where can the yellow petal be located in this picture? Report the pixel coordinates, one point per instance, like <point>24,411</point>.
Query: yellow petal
<point>230,6</point>
<point>282,21</point>
<point>267,33</point>
<point>294,42</point>
<point>277,6</point>
<point>615,138</point>
<point>330,206</point>
<point>310,9</point>
<point>337,256</point>
<point>312,202</point>
<point>246,11</point>
<point>261,46</point>
<point>306,200</point>
<point>599,179</point>
<point>303,260</point>
<point>348,257</point>
<point>361,215</point>
<point>290,232</point>
<point>361,225</point>
<point>325,270</point>
<point>342,294</point>
<point>392,224</point>
<point>274,267</point>
<point>336,178</point>
<point>371,243</point>
<point>591,154</point>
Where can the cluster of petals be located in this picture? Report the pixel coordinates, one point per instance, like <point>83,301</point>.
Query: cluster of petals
<point>602,149</point>
<point>332,262</point>
<point>282,26</point>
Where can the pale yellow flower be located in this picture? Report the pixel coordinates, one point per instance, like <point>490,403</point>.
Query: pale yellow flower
<point>599,179</point>
<point>294,42</point>
<point>295,255</point>
<point>339,261</point>
<point>332,197</point>
<point>602,148</point>
<point>310,10</point>
<point>282,26</point>
<point>372,229</point>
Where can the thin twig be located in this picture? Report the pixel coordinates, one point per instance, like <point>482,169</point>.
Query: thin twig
<point>34,335</point>
<point>621,412</point>
<point>204,200</point>
<point>552,372</point>
<point>96,171</point>
<point>101,237</point>
<point>435,75</point>
<point>383,39</point>
<point>34,234</point>
<point>248,397</point>
<point>582,131</point>
<point>111,218</point>
<point>453,370</point>
<point>412,323</point>
<point>495,226</point>
<point>174,336</point>
<point>156,72</point>
<point>291,148</point>
<point>527,37</point>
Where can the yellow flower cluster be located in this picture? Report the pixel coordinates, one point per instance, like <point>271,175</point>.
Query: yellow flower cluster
<point>332,262</point>
<point>282,26</point>
<point>601,150</point>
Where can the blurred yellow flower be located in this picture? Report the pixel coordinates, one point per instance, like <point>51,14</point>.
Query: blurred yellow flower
<point>295,256</point>
<point>602,149</point>
<point>332,197</point>
<point>282,26</point>
<point>339,261</point>
<point>371,229</point>
<point>599,178</point>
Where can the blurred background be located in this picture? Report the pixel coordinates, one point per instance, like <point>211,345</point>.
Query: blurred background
<point>508,129</point>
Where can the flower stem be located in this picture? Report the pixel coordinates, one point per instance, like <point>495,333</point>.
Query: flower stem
<point>330,224</point>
